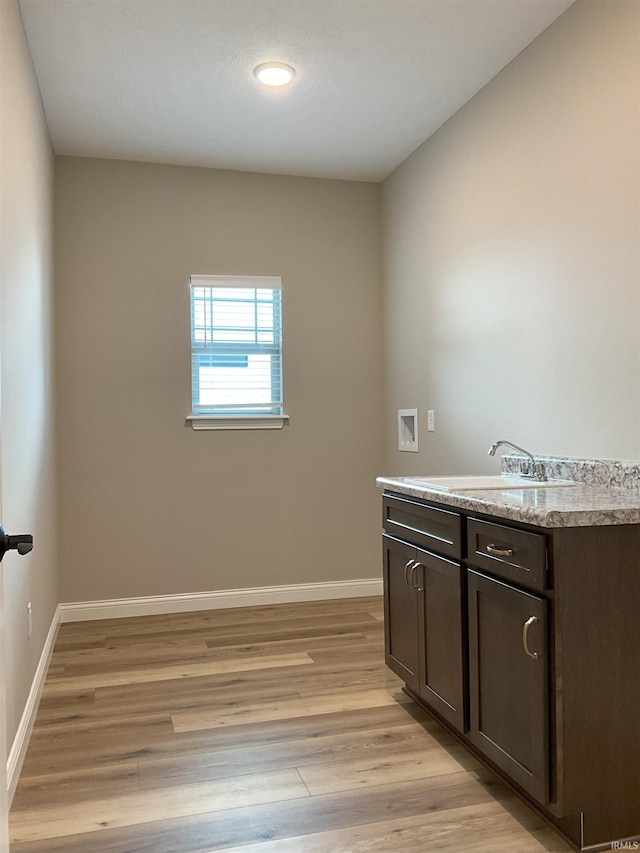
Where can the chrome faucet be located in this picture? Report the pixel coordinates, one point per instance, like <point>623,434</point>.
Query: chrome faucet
<point>532,469</point>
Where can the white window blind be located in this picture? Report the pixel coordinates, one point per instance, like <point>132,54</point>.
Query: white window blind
<point>236,346</point>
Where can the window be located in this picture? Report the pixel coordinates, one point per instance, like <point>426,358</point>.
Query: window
<point>236,352</point>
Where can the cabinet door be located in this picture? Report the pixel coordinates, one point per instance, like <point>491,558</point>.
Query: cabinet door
<point>400,611</point>
<point>508,681</point>
<point>441,637</point>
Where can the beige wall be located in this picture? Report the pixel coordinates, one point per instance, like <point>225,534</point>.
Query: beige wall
<point>511,257</point>
<point>27,426</point>
<point>149,506</point>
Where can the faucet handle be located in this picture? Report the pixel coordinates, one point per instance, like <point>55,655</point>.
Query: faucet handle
<point>534,470</point>
<point>540,472</point>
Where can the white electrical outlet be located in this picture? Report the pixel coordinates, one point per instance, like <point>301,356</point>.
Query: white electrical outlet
<point>29,621</point>
<point>431,420</point>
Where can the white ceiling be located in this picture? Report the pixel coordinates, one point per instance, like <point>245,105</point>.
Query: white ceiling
<point>170,81</point>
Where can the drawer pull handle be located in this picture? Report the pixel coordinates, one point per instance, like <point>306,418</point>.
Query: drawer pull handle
<point>499,552</point>
<point>525,631</point>
<point>415,566</point>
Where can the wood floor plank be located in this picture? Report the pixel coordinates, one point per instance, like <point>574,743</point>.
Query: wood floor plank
<point>234,635</point>
<point>151,738</point>
<point>364,661</point>
<point>112,704</point>
<point>69,706</point>
<point>143,807</point>
<point>110,654</point>
<point>60,789</point>
<point>277,820</point>
<point>371,744</point>
<point>187,721</point>
<point>352,640</point>
<point>117,743</point>
<point>385,768</point>
<point>313,727</point>
<point>318,641</point>
<point>345,680</point>
<point>71,642</point>
<point>486,829</point>
<point>333,659</point>
<point>223,623</point>
<point>262,634</point>
<point>139,675</point>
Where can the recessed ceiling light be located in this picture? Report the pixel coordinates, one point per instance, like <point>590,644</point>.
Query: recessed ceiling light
<point>274,73</point>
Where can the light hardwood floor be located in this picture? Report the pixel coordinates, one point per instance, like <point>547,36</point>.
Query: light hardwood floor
<point>259,730</point>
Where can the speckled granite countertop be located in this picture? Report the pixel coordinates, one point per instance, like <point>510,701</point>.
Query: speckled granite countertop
<point>579,505</point>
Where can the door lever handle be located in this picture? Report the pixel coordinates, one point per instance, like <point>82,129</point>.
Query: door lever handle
<point>22,543</point>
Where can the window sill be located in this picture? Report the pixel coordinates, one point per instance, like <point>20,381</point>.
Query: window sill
<point>198,422</point>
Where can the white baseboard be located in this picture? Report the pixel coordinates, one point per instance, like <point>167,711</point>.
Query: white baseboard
<point>21,740</point>
<point>82,611</point>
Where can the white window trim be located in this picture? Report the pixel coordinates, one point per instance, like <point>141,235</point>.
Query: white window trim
<point>200,422</point>
<point>272,281</point>
<point>232,422</point>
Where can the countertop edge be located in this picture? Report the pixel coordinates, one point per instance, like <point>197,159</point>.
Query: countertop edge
<point>581,513</point>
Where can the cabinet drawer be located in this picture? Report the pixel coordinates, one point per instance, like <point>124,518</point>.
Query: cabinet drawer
<point>513,554</point>
<point>436,529</point>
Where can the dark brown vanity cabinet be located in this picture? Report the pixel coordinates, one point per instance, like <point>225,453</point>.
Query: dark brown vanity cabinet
<point>424,602</point>
<point>523,640</point>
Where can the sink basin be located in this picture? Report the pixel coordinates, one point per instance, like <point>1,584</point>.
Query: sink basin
<point>472,484</point>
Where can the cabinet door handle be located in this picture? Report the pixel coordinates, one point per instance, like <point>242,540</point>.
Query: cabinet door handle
<point>415,566</point>
<point>525,631</point>
<point>408,565</point>
<point>499,552</point>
